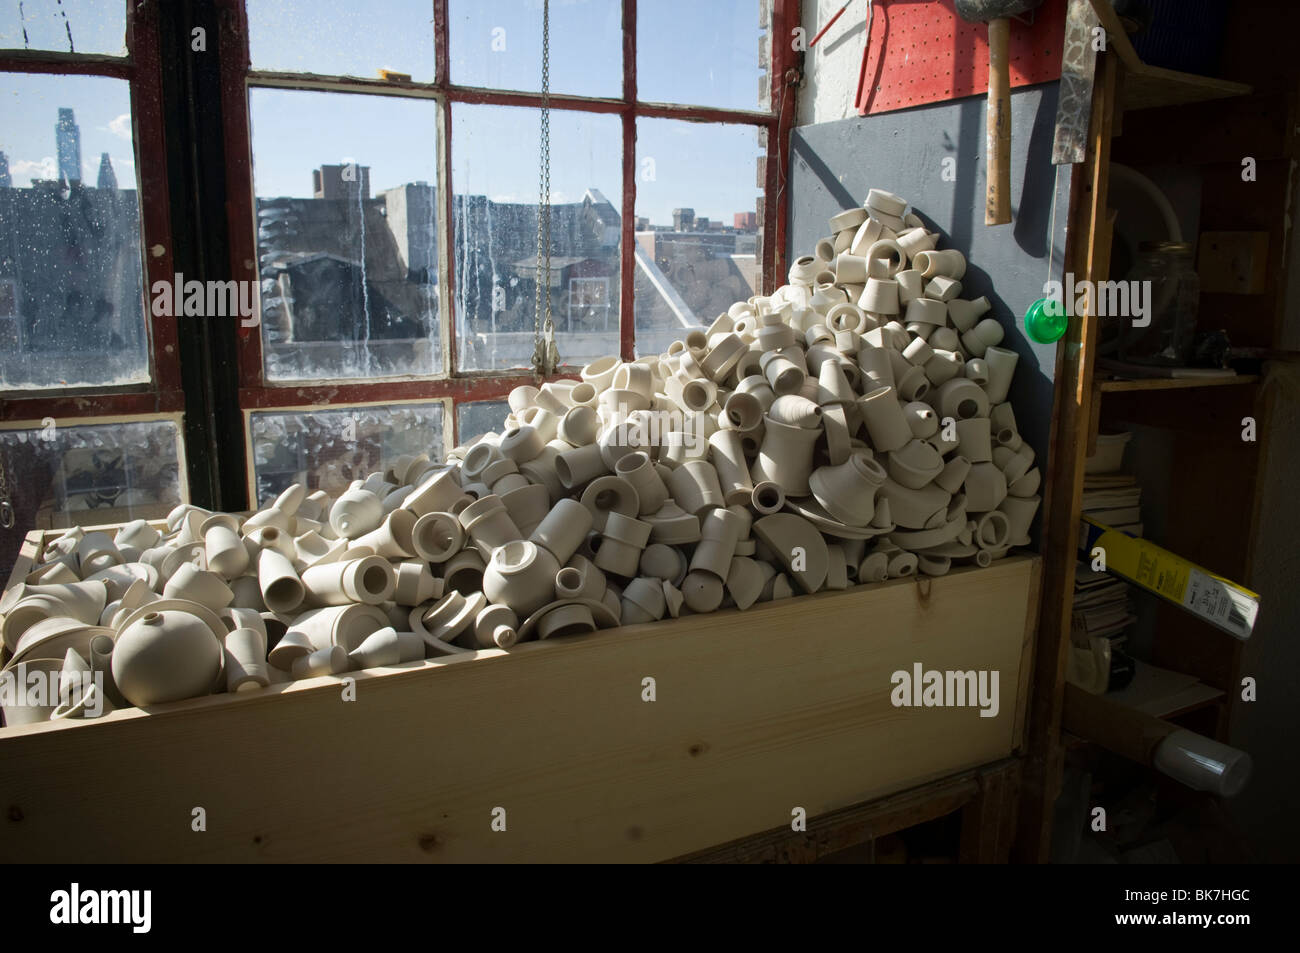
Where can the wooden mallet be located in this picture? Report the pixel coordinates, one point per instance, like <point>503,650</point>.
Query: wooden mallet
<point>997,201</point>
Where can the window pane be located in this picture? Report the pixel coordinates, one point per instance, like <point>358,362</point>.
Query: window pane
<point>697,226</point>
<point>66,26</point>
<point>347,227</point>
<point>705,54</point>
<point>87,475</point>
<point>473,419</point>
<point>342,37</point>
<point>328,449</point>
<point>498,44</point>
<point>494,174</point>
<point>71,286</point>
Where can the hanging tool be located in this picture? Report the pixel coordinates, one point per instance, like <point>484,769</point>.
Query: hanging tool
<point>997,201</point>
<point>829,23</point>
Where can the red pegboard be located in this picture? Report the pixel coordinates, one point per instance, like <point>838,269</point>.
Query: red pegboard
<point>921,51</point>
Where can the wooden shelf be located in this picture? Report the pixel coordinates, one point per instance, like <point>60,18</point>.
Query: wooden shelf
<point>1163,693</point>
<point>1149,87</point>
<point>1170,383</point>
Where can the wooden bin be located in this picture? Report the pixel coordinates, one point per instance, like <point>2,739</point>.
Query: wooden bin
<point>755,713</point>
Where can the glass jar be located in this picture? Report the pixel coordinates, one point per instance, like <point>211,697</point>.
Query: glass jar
<point>1164,297</point>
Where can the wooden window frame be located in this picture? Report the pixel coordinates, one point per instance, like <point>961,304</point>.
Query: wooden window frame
<point>141,67</point>
<point>454,385</point>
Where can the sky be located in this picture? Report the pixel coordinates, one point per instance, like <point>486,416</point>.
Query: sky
<point>688,51</point>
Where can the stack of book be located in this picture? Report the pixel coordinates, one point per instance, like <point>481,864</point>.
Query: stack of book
<point>1114,499</point>
<point>1103,610</point>
<point>1102,607</point>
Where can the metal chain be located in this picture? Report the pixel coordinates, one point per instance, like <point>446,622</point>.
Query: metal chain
<point>7,515</point>
<point>546,355</point>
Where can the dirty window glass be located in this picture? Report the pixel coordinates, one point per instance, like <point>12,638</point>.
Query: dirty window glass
<point>494,237</point>
<point>346,38</point>
<point>475,418</point>
<point>703,54</point>
<point>498,44</point>
<point>65,26</point>
<point>71,278</point>
<point>88,475</point>
<point>347,229</point>
<point>328,449</point>
<point>697,231</point>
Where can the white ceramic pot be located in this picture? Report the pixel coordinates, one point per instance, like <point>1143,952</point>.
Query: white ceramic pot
<point>246,664</point>
<point>166,656</point>
<point>35,676</point>
<point>642,601</point>
<point>886,423</point>
<point>496,627</point>
<point>392,539</point>
<point>521,575</point>
<point>329,661</point>
<point>974,439</point>
<point>282,590</point>
<point>436,537</point>
<point>199,585</point>
<point>368,580</point>
<point>695,487</point>
<point>387,646</point>
<point>489,525</point>
<point>848,491</point>
<point>356,513</point>
<point>621,544</point>
<point>720,531</point>
<point>964,314</point>
<point>1001,368</point>
<point>984,335</point>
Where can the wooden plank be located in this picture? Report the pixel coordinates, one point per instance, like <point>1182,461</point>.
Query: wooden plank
<point>783,706</point>
<point>1173,383</point>
<point>1118,728</point>
<point>857,825</point>
<point>1147,87</point>
<point>1151,87</point>
<point>1088,256</point>
<point>988,821</point>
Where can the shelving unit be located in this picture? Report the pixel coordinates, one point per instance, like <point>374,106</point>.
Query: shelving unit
<point>1192,671</point>
<point>1142,86</point>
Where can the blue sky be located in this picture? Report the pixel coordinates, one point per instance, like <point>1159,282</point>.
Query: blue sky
<point>688,51</point>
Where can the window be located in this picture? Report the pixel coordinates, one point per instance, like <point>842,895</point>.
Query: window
<point>83,193</point>
<point>327,449</point>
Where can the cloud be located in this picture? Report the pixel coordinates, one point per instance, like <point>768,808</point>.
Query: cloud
<point>28,169</point>
<point>121,127</point>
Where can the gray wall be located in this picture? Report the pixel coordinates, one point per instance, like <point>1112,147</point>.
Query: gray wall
<point>833,164</point>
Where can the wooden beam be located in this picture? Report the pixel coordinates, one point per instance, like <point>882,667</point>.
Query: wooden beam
<point>1088,257</point>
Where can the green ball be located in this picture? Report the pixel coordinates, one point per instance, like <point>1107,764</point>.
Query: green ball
<point>1046,321</point>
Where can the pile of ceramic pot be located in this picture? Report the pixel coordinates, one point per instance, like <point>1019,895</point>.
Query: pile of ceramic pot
<point>852,427</point>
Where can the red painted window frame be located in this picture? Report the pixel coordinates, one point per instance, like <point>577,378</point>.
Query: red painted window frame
<point>459,386</point>
<point>142,68</point>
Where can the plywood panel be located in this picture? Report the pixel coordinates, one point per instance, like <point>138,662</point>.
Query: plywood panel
<point>759,712</point>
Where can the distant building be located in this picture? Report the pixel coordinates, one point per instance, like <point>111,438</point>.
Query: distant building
<point>107,177</point>
<point>412,213</point>
<point>341,182</point>
<point>683,219</point>
<point>746,221</point>
<point>5,181</point>
<point>68,139</point>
